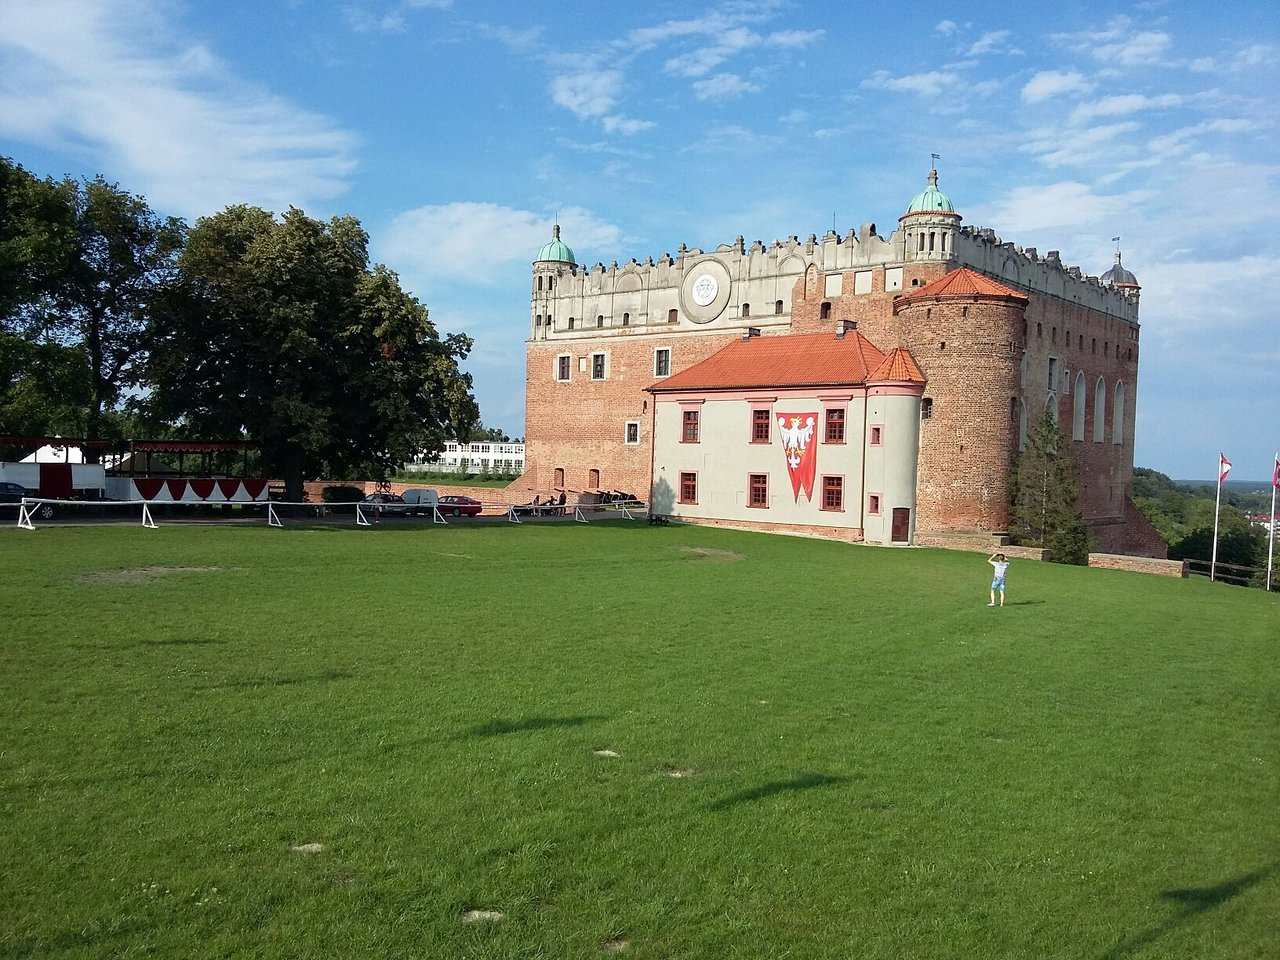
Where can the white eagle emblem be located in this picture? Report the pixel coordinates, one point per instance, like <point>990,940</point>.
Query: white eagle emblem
<point>795,438</point>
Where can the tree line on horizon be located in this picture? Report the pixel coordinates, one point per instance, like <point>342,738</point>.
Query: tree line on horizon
<point>118,323</point>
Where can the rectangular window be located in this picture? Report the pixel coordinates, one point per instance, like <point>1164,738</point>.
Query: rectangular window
<point>688,488</point>
<point>597,366</point>
<point>562,368</point>
<point>662,362</point>
<point>760,421</point>
<point>873,504</point>
<point>877,435</point>
<point>633,432</point>
<point>833,493</point>
<point>690,421</point>
<point>758,484</point>
<point>926,408</point>
<point>835,425</point>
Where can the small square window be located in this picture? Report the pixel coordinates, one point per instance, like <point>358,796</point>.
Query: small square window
<point>758,485</point>
<point>597,366</point>
<point>688,488</point>
<point>833,493</point>
<point>873,504</point>
<point>689,420</point>
<point>877,435</point>
<point>632,432</point>
<point>761,422</point>
<point>562,368</point>
<point>662,362</point>
<point>835,425</point>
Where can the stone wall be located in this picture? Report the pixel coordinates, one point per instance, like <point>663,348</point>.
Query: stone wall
<point>1164,568</point>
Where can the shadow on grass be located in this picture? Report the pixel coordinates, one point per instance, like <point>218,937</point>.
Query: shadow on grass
<point>1194,901</point>
<point>254,683</point>
<point>1023,603</point>
<point>180,642</point>
<point>806,781</point>
<point>496,728</point>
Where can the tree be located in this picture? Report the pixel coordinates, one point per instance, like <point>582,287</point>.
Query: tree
<point>279,331</point>
<point>87,262</point>
<point>1045,488</point>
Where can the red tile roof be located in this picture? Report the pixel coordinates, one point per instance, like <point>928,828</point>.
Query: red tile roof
<point>963,283</point>
<point>794,360</point>
<point>898,367</point>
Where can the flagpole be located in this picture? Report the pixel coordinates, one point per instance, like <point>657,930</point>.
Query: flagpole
<point>1271,520</point>
<point>1217,505</point>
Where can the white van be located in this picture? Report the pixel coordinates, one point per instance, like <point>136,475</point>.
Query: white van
<point>421,501</point>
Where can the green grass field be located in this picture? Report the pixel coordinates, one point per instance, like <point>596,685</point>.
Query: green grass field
<point>822,750</point>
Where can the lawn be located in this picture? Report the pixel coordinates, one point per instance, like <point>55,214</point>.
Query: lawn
<point>236,741</point>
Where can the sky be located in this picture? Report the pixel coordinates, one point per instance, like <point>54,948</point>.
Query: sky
<point>460,131</point>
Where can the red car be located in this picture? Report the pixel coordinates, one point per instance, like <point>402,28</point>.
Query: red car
<point>458,506</point>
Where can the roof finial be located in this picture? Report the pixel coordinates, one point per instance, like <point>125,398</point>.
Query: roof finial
<point>1116,241</point>
<point>555,231</point>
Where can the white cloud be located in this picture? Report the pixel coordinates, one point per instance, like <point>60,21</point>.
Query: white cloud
<point>174,123</point>
<point>1084,146</point>
<point>794,38</point>
<point>723,86</point>
<point>945,27</point>
<point>1202,65</point>
<point>445,242</point>
<point>1122,104</point>
<point>929,84</point>
<point>1067,203</point>
<point>626,125</point>
<point>1142,48</point>
<point>1183,140</point>
<point>1052,83</point>
<point>587,94</point>
<point>794,117</point>
<point>989,42</point>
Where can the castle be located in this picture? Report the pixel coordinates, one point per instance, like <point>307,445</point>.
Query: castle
<point>910,366</point>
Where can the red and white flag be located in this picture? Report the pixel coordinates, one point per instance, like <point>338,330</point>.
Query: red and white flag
<point>800,447</point>
<point>1275,474</point>
<point>1224,467</point>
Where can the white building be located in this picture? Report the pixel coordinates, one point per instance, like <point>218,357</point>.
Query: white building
<point>484,457</point>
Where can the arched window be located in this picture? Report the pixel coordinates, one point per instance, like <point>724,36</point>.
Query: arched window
<point>1099,411</point>
<point>1022,371</point>
<point>920,243</point>
<point>777,307</point>
<point>1077,413</point>
<point>746,309</point>
<point>571,323</point>
<point>559,477</point>
<point>672,316</point>
<point>539,283</point>
<point>931,238</point>
<point>538,322</point>
<point>1117,414</point>
<point>1022,425</point>
<point>600,320</point>
<point>593,479</point>
<point>825,312</point>
<point>1051,405</point>
<point>626,319</point>
<point>551,283</point>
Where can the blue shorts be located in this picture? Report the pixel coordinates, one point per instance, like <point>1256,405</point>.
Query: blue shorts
<point>998,584</point>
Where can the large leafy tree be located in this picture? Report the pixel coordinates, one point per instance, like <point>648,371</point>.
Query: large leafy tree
<point>280,331</point>
<point>1045,487</point>
<point>81,265</point>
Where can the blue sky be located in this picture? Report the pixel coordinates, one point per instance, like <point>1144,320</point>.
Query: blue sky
<point>459,131</point>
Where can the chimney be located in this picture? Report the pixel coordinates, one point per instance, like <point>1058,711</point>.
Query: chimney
<point>844,326</point>
<point>750,332</point>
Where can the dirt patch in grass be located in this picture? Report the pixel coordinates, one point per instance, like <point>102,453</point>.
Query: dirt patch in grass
<point>138,574</point>
<point>606,752</point>
<point>713,554</point>
<point>616,945</point>
<point>680,773</point>
<point>307,848</point>
<point>481,916</point>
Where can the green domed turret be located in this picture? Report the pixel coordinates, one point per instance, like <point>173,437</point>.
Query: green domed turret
<point>556,249</point>
<point>931,199</point>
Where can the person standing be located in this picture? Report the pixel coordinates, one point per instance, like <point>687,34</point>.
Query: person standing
<point>1000,566</point>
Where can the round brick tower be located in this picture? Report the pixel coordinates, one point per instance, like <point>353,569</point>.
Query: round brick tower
<point>965,332</point>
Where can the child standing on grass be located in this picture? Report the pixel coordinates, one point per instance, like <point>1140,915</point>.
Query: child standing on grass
<point>1001,566</point>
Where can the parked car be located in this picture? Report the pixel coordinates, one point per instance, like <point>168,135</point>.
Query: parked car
<point>14,492</point>
<point>386,504</point>
<point>459,506</point>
